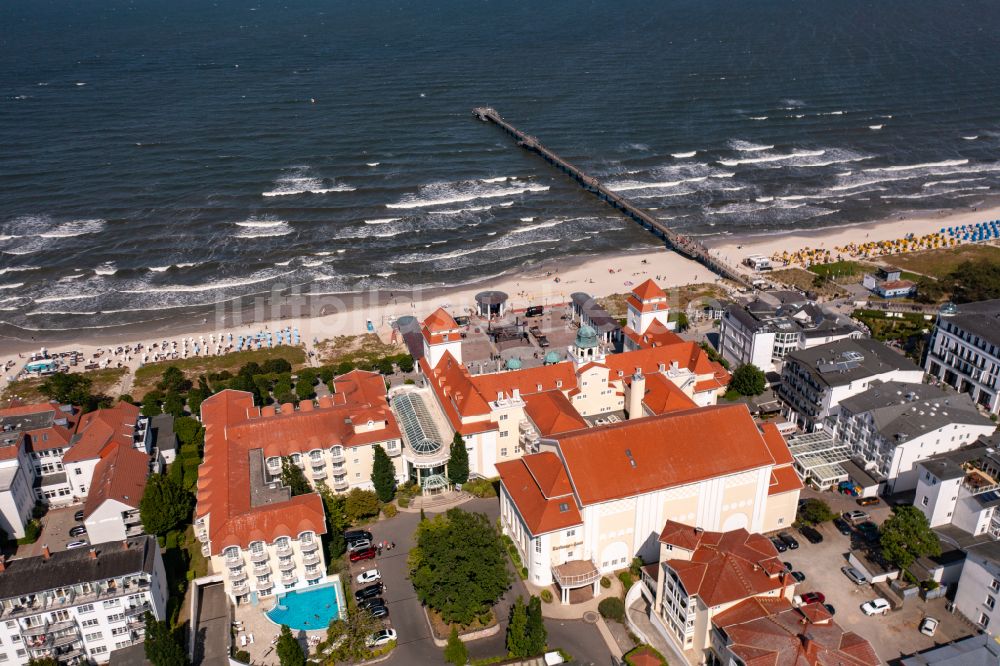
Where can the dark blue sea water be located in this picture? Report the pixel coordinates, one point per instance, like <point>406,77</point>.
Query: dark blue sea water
<point>155,156</point>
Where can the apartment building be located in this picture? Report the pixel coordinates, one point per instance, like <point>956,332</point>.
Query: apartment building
<point>979,587</point>
<point>815,381</point>
<point>763,331</point>
<point>961,489</point>
<point>891,427</point>
<point>964,351</point>
<point>78,606</point>
<point>592,499</point>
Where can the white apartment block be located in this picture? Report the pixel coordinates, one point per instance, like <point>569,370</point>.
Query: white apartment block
<point>78,606</point>
<point>892,427</point>
<point>964,351</point>
<point>961,488</point>
<point>979,587</point>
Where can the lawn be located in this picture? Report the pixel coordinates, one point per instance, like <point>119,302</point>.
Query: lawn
<point>677,297</point>
<point>840,269</point>
<point>102,381</point>
<point>803,280</point>
<point>361,350</point>
<point>147,376</point>
<point>939,263</point>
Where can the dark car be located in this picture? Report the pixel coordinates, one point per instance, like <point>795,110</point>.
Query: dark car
<point>798,576</point>
<point>379,611</point>
<point>371,602</point>
<point>811,534</point>
<point>363,554</point>
<point>779,545</point>
<point>788,566</point>
<point>78,531</point>
<point>78,516</point>
<point>788,540</point>
<point>813,598</point>
<point>842,526</point>
<point>369,592</point>
<point>353,536</point>
<point>830,609</point>
<point>869,530</point>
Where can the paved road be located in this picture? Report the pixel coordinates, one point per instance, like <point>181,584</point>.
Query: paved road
<point>415,646</point>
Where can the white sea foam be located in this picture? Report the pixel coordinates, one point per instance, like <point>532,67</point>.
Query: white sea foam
<point>264,229</point>
<point>541,225</point>
<point>527,219</point>
<point>459,211</point>
<point>758,117</point>
<point>107,268</point>
<point>73,228</point>
<point>925,165</point>
<point>299,180</point>
<point>70,278</point>
<point>211,286</point>
<point>57,299</point>
<point>799,115</point>
<point>260,224</point>
<point>875,127</point>
<point>282,263</point>
<point>188,265</point>
<point>747,147</point>
<point>971,138</point>
<point>953,181</point>
<point>12,285</point>
<point>15,269</point>
<point>383,220</point>
<point>312,264</point>
<point>793,103</point>
<point>832,113</point>
<point>764,199</point>
<point>450,195</point>
<point>773,158</point>
<point>498,179</point>
<point>159,269</point>
<point>373,164</point>
<point>626,186</point>
<point>684,155</point>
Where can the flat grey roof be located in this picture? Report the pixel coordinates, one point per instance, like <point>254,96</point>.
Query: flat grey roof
<point>859,474</point>
<point>981,318</point>
<point>948,465</point>
<point>848,360</point>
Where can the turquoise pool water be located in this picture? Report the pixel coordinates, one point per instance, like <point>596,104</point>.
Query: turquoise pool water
<point>312,609</point>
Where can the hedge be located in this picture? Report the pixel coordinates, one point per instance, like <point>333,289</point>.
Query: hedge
<point>612,608</point>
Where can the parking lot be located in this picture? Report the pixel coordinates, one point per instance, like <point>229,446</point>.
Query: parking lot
<point>892,635</point>
<point>55,532</point>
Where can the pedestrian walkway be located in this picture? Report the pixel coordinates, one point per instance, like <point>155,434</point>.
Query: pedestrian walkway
<point>558,611</point>
<point>642,626</point>
<point>437,503</point>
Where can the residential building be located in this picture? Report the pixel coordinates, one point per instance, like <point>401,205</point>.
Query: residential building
<point>815,381</point>
<point>886,283</point>
<point>77,606</point>
<point>891,427</point>
<point>594,498</point>
<point>763,331</point>
<point>266,541</point>
<point>979,587</point>
<point>961,489</point>
<point>648,318</point>
<point>111,510</point>
<point>588,312</point>
<point>978,650</point>
<point>964,351</point>
<point>97,434</point>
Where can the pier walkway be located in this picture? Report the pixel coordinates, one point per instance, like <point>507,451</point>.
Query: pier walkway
<point>688,247</point>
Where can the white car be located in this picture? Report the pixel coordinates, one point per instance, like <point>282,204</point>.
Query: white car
<point>928,626</point>
<point>369,576</point>
<point>381,637</point>
<point>876,607</point>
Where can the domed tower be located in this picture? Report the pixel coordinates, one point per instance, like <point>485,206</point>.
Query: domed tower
<point>586,348</point>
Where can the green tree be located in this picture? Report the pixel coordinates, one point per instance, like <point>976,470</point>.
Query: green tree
<point>186,429</point>
<point>283,392</point>
<point>293,478</point>
<point>458,461</point>
<point>164,504</point>
<point>455,651</point>
<point>336,521</point>
<point>43,661</point>
<point>151,404</point>
<point>536,634</point>
<point>383,475</point>
<point>813,511</point>
<point>67,389</point>
<point>275,366</point>
<point>458,567</point>
<point>350,636</point>
<point>906,535</point>
<point>305,385</point>
<point>173,379</point>
<point>405,363</point>
<point>517,630</point>
<point>173,404</point>
<point>125,397</point>
<point>343,368</point>
<point>385,366</point>
<point>360,504</point>
<point>748,379</point>
<point>195,397</point>
<point>289,651</point>
<point>161,648</point>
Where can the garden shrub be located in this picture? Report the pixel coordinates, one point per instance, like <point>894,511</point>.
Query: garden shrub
<point>612,608</point>
<point>546,595</point>
<point>605,582</point>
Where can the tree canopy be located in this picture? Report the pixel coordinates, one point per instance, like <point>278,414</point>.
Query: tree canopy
<point>164,504</point>
<point>289,651</point>
<point>73,389</point>
<point>813,511</point>
<point>458,461</point>
<point>360,504</point>
<point>906,535</point>
<point>161,648</point>
<point>383,475</point>
<point>293,478</point>
<point>458,567</point>
<point>350,636</point>
<point>748,379</point>
<point>517,630</point>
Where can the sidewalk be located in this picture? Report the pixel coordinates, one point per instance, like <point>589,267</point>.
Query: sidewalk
<point>436,503</point>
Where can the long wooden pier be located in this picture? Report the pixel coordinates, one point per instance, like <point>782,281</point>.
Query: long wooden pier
<point>688,247</point>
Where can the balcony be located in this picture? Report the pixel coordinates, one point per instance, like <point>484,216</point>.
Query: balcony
<point>241,588</point>
<point>309,546</point>
<point>237,575</point>
<point>258,557</point>
<point>310,558</point>
<point>340,483</point>
<point>206,550</point>
<point>262,569</point>
<point>289,579</point>
<point>576,573</point>
<point>286,565</point>
<point>265,587</point>
<point>110,588</point>
<point>284,550</point>
<point>394,451</point>
<point>318,473</point>
<point>138,610</point>
<point>336,457</point>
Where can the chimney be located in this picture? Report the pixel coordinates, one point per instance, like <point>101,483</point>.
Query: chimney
<point>3,564</point>
<point>46,553</point>
<point>124,544</point>
<point>93,553</point>
<point>636,394</point>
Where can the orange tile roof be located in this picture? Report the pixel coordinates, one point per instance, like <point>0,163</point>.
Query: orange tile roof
<point>101,428</point>
<point>783,480</point>
<point>552,413</point>
<point>655,335</point>
<point>120,475</point>
<point>687,355</point>
<point>541,492</point>
<point>776,444</point>
<point>457,395</point>
<point>729,566</point>
<point>663,396</point>
<point>556,376</point>
<point>648,290</point>
<point>440,327</point>
<point>767,631</point>
<point>52,435</point>
<point>668,450</point>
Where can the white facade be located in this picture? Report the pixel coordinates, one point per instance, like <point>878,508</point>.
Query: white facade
<point>964,359</point>
<point>17,498</point>
<point>289,563</point>
<point>113,521</point>
<point>741,344</point>
<point>979,588</point>
<point>87,620</point>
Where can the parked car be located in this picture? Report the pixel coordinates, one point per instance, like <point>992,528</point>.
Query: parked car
<point>369,576</point>
<point>381,637</point>
<point>779,545</point>
<point>788,566</point>
<point>379,611</point>
<point>369,592</point>
<point>877,606</point>
<point>813,598</point>
<point>928,626</point>
<point>811,534</point>
<point>798,576</point>
<point>788,540</point>
<point>78,516</point>
<point>363,554</point>
<point>867,501</point>
<point>78,531</point>
<point>830,609</point>
<point>855,517</point>
<point>353,536</point>
<point>856,576</point>
<point>869,530</point>
<point>361,544</point>
<point>371,603</point>
<point>76,544</point>
<point>842,526</point>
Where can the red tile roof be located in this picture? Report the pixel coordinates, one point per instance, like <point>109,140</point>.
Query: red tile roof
<point>655,335</point>
<point>101,428</point>
<point>120,475</point>
<point>556,376</point>
<point>440,327</point>
<point>727,566</point>
<point>686,354</point>
<point>457,395</point>
<point>541,492</point>
<point>783,480</point>
<point>666,451</point>
<point>663,396</point>
<point>648,290</point>
<point>552,413</point>
<point>771,632</point>
<point>776,444</point>
<point>52,435</point>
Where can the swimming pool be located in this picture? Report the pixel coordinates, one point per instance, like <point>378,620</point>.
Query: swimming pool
<point>311,609</point>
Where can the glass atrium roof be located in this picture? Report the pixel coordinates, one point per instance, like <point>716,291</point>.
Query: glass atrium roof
<point>418,426</point>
